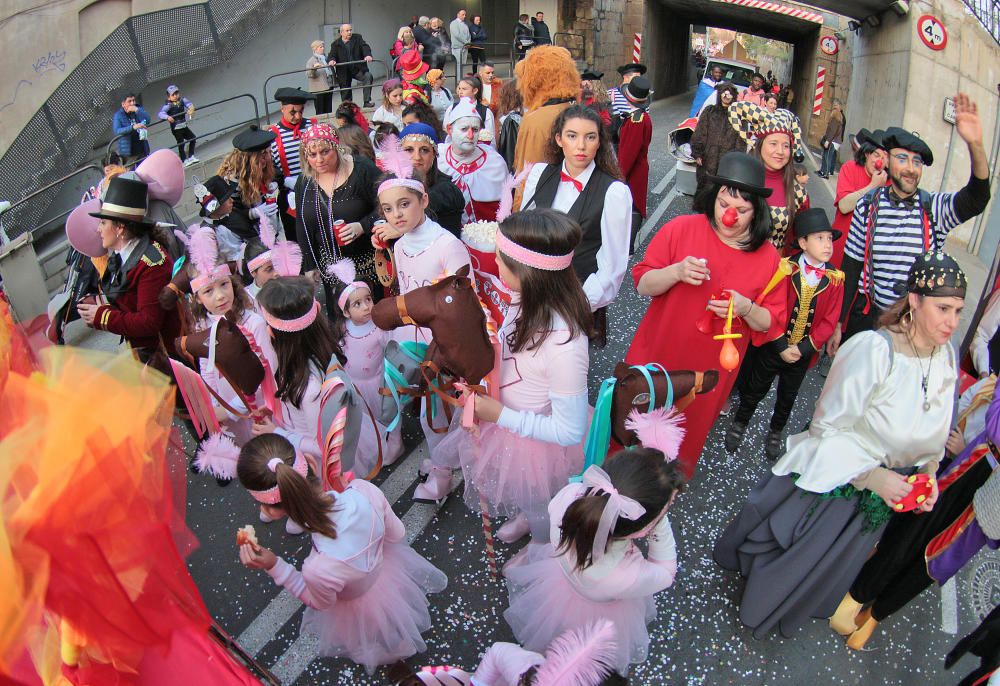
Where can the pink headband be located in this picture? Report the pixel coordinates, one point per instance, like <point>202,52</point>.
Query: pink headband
<point>618,505</point>
<point>348,289</point>
<point>292,325</point>
<point>549,263</point>
<point>220,271</point>
<point>408,183</point>
<point>259,261</point>
<point>272,496</point>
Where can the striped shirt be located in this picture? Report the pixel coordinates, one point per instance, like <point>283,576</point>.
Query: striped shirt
<point>291,149</point>
<point>897,239</point>
<point>619,104</point>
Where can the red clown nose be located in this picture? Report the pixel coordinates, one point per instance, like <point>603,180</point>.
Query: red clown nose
<point>729,217</point>
<point>879,164</point>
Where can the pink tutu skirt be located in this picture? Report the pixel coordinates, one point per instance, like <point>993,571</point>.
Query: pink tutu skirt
<point>544,604</point>
<point>513,473</point>
<point>383,623</point>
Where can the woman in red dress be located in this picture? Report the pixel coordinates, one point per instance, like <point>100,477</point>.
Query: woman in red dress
<point>696,261</point>
<point>866,172</point>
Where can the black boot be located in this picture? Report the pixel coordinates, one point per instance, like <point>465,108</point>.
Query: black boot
<point>734,435</point>
<point>774,446</point>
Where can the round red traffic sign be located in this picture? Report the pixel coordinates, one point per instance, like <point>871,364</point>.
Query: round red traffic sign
<point>829,45</point>
<point>932,32</point>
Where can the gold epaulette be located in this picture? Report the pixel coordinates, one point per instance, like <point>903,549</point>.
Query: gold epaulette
<point>154,256</point>
<point>836,276</point>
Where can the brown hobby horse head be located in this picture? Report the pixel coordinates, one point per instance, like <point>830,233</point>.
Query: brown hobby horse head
<point>233,356</point>
<point>632,392</point>
<point>451,309</point>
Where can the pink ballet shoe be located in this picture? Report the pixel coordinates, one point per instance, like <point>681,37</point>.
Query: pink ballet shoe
<point>390,457</point>
<point>425,468</point>
<point>436,488</point>
<point>514,529</point>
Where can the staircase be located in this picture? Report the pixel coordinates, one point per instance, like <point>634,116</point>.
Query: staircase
<point>149,47</point>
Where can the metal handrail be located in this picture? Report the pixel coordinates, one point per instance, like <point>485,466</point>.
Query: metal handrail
<point>38,191</point>
<point>256,120</point>
<point>510,55</point>
<point>267,112</point>
<point>202,108</point>
<point>115,139</point>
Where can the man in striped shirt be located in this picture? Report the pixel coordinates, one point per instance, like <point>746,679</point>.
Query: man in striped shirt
<point>285,149</point>
<point>892,226</point>
<point>619,103</point>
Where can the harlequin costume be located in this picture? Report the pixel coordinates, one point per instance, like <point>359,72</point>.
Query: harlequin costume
<point>754,122</point>
<point>285,152</point>
<point>918,549</point>
<point>633,142</point>
<point>815,293</point>
<point>480,178</point>
<point>669,333</point>
<point>135,276</point>
<point>810,524</point>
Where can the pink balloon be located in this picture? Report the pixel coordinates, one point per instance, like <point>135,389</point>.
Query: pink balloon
<point>81,229</point>
<point>163,171</point>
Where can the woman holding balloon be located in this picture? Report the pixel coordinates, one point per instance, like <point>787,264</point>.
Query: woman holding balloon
<point>712,280</point>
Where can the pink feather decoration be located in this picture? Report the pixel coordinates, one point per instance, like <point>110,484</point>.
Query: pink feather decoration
<point>203,249</point>
<point>394,159</point>
<point>286,258</point>
<point>181,236</point>
<point>345,270</point>
<point>579,657</point>
<point>267,235</point>
<point>660,429</point>
<point>217,455</point>
<point>506,206</point>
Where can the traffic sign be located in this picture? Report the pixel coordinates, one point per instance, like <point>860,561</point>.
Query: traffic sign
<point>829,45</point>
<point>932,32</point>
<point>949,110</point>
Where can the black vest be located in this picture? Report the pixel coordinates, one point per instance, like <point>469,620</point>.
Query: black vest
<point>586,211</point>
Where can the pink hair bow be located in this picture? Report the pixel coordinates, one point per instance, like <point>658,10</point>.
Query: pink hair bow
<point>618,505</point>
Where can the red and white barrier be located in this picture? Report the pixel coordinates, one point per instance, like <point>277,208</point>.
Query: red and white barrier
<point>820,85</point>
<point>778,9</point>
<point>636,48</point>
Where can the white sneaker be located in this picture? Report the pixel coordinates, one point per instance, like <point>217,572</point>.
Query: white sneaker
<point>293,528</point>
<point>193,159</point>
<point>188,162</point>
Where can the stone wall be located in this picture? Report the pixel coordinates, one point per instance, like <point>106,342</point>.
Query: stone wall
<point>606,27</point>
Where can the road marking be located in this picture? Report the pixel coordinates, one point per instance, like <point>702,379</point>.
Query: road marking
<point>305,648</point>
<point>654,218</point>
<point>665,181</point>
<point>949,607</point>
<point>284,605</point>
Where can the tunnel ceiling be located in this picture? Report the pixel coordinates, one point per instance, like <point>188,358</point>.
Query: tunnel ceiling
<point>765,23</point>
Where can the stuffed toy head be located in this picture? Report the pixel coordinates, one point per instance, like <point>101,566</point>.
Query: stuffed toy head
<point>546,72</point>
<point>233,355</point>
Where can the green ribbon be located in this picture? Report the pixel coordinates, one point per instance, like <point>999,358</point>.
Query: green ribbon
<point>394,380</point>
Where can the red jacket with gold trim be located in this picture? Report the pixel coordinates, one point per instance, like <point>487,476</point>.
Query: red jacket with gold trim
<point>812,313</point>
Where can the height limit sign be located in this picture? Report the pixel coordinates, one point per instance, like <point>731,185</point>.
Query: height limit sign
<point>932,32</point>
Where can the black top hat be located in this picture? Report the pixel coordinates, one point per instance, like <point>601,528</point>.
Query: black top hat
<point>633,67</point>
<point>253,139</point>
<point>637,90</point>
<point>591,75</point>
<point>870,137</point>
<point>814,220</point>
<point>936,274</point>
<point>293,96</point>
<point>125,200</point>
<point>211,194</point>
<point>896,137</point>
<point>739,170</point>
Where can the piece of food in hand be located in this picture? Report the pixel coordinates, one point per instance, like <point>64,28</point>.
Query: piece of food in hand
<point>247,534</point>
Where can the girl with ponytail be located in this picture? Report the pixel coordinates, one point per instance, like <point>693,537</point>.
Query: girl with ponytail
<point>593,569</point>
<point>364,587</point>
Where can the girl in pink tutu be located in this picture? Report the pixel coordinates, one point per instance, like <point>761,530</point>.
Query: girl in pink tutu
<point>595,570</point>
<point>424,252</point>
<point>365,588</point>
<point>364,347</point>
<point>531,442</point>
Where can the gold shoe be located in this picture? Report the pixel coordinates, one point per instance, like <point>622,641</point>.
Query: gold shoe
<point>843,620</point>
<point>866,627</point>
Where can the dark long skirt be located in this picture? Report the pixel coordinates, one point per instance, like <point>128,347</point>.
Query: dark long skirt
<point>798,551</point>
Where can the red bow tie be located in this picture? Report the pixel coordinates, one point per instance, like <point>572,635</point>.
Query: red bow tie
<point>566,178</point>
<point>820,272</point>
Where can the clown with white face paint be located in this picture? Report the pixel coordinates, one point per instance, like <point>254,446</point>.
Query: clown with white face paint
<point>478,170</point>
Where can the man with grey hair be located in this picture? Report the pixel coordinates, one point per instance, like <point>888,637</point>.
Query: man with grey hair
<point>461,36</point>
<point>351,47</point>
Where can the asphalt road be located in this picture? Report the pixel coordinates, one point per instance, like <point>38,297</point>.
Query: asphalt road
<point>696,638</point>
